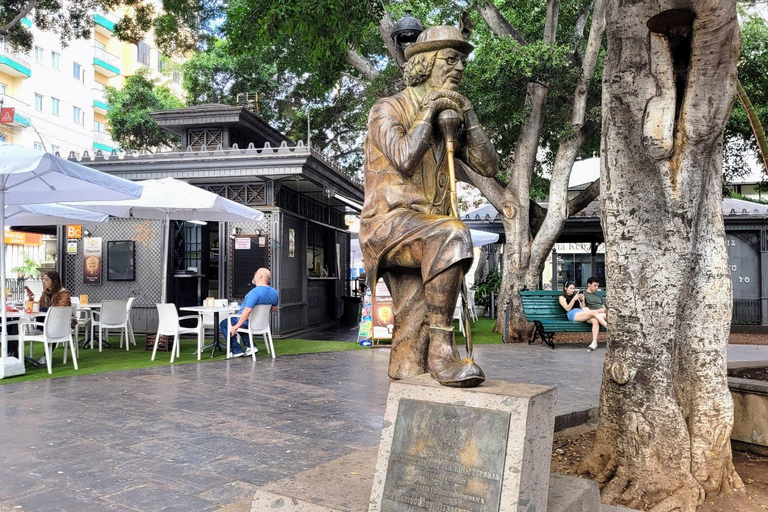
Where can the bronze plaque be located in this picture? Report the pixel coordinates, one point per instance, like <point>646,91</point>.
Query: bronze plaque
<point>445,458</point>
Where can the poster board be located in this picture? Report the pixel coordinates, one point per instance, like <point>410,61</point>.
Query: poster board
<point>92,261</point>
<point>121,260</point>
<point>248,256</point>
<point>383,312</point>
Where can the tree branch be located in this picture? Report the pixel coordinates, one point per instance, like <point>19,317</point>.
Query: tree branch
<point>361,64</point>
<point>584,198</point>
<point>385,30</point>
<point>23,12</point>
<point>491,188</point>
<point>559,206</point>
<point>498,23</point>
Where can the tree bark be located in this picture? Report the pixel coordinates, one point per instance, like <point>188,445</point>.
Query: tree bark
<point>666,414</point>
<point>362,65</point>
<point>498,23</point>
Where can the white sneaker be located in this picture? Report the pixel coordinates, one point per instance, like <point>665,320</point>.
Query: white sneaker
<point>239,354</point>
<point>592,346</point>
<point>251,351</point>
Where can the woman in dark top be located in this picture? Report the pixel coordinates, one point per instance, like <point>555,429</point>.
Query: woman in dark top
<point>573,304</point>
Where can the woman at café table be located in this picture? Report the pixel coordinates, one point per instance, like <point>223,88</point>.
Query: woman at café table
<point>54,294</point>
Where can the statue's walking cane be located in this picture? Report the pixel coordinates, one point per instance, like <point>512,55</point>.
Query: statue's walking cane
<point>449,121</point>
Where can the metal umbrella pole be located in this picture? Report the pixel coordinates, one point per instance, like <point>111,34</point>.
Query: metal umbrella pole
<point>449,121</point>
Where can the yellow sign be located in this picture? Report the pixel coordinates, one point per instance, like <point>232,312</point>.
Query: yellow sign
<point>74,231</point>
<point>18,238</point>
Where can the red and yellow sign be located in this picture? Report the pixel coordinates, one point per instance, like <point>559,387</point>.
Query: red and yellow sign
<point>7,114</point>
<point>74,231</point>
<point>19,238</point>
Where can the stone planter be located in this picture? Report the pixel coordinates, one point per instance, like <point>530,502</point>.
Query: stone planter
<point>750,410</point>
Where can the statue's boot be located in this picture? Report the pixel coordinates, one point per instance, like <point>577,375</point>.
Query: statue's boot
<point>446,365</point>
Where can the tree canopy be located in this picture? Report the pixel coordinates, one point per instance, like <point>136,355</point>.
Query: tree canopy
<point>179,26</point>
<point>130,124</point>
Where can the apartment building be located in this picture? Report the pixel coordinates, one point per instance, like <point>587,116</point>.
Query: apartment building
<point>59,92</point>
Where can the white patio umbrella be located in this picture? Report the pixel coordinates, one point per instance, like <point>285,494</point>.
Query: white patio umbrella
<point>171,199</point>
<point>29,176</point>
<point>479,238</point>
<point>49,215</point>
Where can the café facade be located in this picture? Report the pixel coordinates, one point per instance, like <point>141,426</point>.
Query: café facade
<point>303,237</point>
<point>746,230</point>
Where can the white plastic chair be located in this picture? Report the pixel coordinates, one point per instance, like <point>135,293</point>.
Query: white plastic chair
<point>169,326</point>
<point>258,323</point>
<point>471,301</point>
<point>56,329</point>
<point>458,316</point>
<point>113,315</point>
<point>131,337</point>
<point>83,317</point>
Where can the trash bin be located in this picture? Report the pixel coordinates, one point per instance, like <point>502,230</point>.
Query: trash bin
<point>352,307</point>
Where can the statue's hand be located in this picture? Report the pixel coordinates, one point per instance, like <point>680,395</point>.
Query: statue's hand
<point>437,102</point>
<point>464,104</point>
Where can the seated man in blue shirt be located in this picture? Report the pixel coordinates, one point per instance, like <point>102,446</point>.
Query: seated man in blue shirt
<point>261,294</point>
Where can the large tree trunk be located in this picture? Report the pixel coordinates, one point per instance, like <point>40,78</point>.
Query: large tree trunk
<point>665,409</point>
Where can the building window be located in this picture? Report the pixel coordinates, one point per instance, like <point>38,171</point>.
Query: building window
<point>55,60</point>
<point>38,55</point>
<point>55,106</point>
<point>99,127</point>
<point>77,115</point>
<point>38,102</point>
<point>77,72</point>
<point>2,137</point>
<point>55,149</point>
<point>144,53</point>
<point>2,89</point>
<point>38,146</point>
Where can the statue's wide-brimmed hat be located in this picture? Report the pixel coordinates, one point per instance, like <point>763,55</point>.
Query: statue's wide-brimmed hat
<point>438,38</point>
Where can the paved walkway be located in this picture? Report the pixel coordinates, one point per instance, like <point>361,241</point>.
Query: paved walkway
<point>201,437</point>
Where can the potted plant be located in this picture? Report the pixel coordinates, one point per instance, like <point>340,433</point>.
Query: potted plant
<point>484,289</point>
<point>28,268</point>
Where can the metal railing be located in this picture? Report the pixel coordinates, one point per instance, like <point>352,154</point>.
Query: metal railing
<point>103,137</point>
<point>105,56</point>
<point>8,51</point>
<point>16,289</point>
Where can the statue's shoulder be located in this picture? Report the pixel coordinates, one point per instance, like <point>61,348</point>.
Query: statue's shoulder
<point>397,103</point>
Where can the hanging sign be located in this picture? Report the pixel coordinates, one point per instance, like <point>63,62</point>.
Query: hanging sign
<point>72,247</point>
<point>242,243</point>
<point>92,261</point>
<point>7,114</point>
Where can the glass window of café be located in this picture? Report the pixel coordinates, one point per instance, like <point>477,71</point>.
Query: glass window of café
<point>578,268</point>
<point>321,251</point>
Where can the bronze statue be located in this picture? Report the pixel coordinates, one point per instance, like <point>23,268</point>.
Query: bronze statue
<point>406,234</point>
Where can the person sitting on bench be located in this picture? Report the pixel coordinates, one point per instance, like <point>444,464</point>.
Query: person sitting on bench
<point>568,300</point>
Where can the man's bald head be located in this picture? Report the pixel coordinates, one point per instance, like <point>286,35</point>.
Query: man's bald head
<point>262,277</point>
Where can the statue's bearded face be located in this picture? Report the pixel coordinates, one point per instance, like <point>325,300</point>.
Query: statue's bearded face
<point>448,69</point>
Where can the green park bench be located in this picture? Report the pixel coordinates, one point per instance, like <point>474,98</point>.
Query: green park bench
<point>543,309</point>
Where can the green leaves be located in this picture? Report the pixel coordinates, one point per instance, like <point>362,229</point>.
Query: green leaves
<point>129,121</point>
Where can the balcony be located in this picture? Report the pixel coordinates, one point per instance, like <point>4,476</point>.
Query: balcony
<point>100,99</point>
<point>13,62</point>
<point>21,116</point>
<point>104,142</point>
<point>106,63</point>
<point>103,25</point>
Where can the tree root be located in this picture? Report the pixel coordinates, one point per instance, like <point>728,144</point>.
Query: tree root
<point>646,494</point>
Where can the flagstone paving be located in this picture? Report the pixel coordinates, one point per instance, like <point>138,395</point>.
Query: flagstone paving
<point>201,437</point>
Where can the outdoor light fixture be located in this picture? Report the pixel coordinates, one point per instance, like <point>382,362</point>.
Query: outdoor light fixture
<point>406,30</point>
<point>200,222</point>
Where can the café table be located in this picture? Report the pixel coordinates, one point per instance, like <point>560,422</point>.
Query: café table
<point>28,317</point>
<point>90,307</point>
<point>216,320</point>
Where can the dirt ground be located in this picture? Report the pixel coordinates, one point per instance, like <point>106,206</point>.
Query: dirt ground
<point>736,338</point>
<point>571,446</point>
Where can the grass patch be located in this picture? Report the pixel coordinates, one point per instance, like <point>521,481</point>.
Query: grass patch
<point>482,333</point>
<point>115,359</point>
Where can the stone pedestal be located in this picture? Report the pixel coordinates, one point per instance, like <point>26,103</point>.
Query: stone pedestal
<point>459,449</point>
